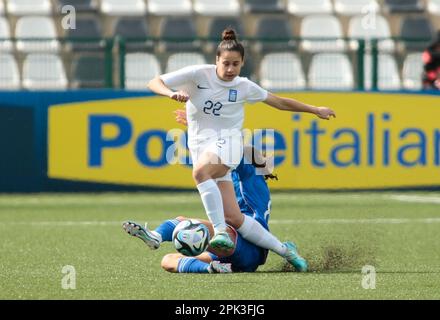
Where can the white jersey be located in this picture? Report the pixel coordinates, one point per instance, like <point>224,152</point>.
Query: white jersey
<point>215,107</point>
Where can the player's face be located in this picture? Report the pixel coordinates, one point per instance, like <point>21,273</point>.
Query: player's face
<point>229,64</point>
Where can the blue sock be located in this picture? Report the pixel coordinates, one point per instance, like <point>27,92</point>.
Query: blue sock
<point>166,229</point>
<point>192,265</point>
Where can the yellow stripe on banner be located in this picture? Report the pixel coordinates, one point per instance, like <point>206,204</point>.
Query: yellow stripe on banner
<point>376,141</point>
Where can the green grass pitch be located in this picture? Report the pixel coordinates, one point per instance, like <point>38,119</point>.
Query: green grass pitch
<point>339,233</point>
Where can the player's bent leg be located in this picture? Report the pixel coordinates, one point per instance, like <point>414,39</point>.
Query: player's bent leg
<point>222,240</point>
<point>178,263</point>
<point>254,232</point>
<point>170,262</point>
<point>292,256</point>
<point>204,174</point>
<point>163,233</point>
<point>209,166</point>
<point>233,215</point>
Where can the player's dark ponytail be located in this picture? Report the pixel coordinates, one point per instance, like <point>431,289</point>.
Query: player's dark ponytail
<point>229,35</point>
<point>230,43</point>
<point>271,176</point>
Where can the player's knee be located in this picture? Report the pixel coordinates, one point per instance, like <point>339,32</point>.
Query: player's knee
<point>169,263</point>
<point>200,175</point>
<point>234,220</point>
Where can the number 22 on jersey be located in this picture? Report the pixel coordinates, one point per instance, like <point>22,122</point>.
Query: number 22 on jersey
<point>212,108</point>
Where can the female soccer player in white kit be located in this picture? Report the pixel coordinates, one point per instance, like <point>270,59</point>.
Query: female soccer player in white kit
<point>215,97</point>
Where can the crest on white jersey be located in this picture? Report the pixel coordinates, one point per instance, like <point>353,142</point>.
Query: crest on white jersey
<point>232,95</point>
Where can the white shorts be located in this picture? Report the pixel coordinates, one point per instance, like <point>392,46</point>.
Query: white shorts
<point>229,149</point>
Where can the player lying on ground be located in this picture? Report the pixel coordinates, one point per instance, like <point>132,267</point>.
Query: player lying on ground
<point>252,195</point>
<point>254,201</point>
<point>246,257</point>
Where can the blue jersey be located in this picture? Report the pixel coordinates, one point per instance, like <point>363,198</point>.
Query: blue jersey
<point>252,193</point>
<point>253,198</point>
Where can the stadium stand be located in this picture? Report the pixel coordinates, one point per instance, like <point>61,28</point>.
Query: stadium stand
<point>378,29</point>
<point>416,32</point>
<point>404,6</point>
<point>355,7</point>
<point>136,33</point>
<point>139,69</point>
<point>170,7</point>
<point>330,71</point>
<point>388,74</point>
<point>308,7</point>
<point>217,8</point>
<point>177,61</point>
<point>275,35</point>
<point>81,6</point>
<point>263,6</point>
<point>412,71</point>
<point>35,27</point>
<point>29,7</point>
<point>9,75</point>
<point>282,71</point>
<point>218,25</point>
<point>86,35</point>
<point>5,33</point>
<point>123,8</point>
<point>44,71</point>
<point>249,68</point>
<point>88,71</point>
<point>433,7</point>
<point>322,27</point>
<point>178,34</point>
<point>115,29</point>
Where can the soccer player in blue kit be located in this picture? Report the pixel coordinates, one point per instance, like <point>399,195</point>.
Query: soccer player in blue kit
<point>253,198</point>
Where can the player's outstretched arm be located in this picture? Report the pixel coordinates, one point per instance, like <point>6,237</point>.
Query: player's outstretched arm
<point>158,86</point>
<point>292,105</point>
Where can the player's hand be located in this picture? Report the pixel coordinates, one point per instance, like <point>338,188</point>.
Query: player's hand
<point>325,113</point>
<point>181,116</point>
<point>180,96</point>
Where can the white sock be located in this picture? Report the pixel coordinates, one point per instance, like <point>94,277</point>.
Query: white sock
<point>157,234</point>
<point>213,203</point>
<point>254,232</point>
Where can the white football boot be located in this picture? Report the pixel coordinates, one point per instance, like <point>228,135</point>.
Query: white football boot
<point>138,231</point>
<point>218,267</point>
